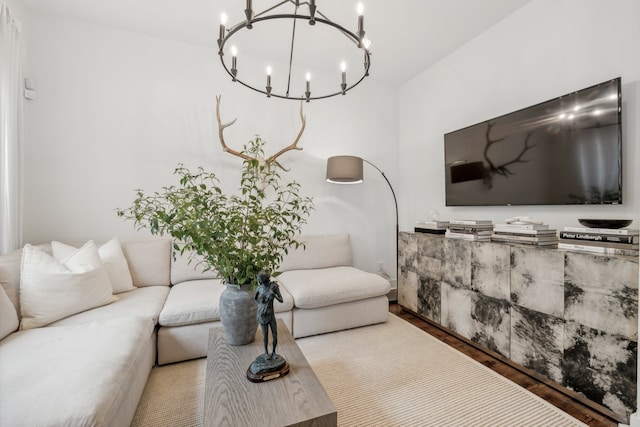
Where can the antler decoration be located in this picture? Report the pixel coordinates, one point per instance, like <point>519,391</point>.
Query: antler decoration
<point>503,169</point>
<point>272,159</point>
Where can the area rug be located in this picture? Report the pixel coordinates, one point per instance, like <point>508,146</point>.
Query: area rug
<point>391,374</point>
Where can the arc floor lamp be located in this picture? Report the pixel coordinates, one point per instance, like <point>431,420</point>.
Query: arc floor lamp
<point>349,170</point>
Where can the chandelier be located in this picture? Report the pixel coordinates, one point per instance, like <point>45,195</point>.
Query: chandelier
<point>290,12</point>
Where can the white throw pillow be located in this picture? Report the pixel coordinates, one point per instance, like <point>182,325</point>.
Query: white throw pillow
<point>8,316</point>
<point>112,258</point>
<point>52,290</point>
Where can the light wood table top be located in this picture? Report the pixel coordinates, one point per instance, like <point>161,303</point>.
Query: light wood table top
<point>297,399</point>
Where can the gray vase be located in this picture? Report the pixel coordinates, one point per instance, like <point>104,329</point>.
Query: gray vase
<point>238,312</point>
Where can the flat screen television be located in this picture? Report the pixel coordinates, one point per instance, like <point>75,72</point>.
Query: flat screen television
<point>563,151</point>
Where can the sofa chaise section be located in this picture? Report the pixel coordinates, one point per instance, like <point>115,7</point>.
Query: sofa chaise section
<point>89,368</point>
<point>329,294</point>
<point>85,375</point>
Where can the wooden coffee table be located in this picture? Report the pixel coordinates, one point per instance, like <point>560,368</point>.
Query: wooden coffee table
<point>230,399</point>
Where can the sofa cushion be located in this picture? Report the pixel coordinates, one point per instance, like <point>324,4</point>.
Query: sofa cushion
<point>319,251</point>
<point>193,301</point>
<point>112,258</point>
<point>8,317</point>
<point>149,261</point>
<point>334,285</point>
<point>69,375</point>
<point>50,290</point>
<point>198,301</point>
<point>140,302</point>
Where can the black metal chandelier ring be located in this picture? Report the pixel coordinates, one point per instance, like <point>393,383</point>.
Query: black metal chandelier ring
<point>344,87</point>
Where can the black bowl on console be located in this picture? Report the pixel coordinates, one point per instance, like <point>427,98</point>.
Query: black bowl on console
<point>605,223</point>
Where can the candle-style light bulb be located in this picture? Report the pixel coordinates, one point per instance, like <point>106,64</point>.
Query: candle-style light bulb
<point>361,32</point>
<point>366,44</point>
<point>343,86</point>
<point>248,12</point>
<point>223,22</point>
<point>308,92</point>
<point>269,70</point>
<point>234,63</point>
<point>312,12</point>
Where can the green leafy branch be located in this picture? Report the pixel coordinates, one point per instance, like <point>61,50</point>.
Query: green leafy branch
<point>237,235</point>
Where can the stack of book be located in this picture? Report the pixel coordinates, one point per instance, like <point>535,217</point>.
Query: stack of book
<point>608,241</point>
<point>525,234</point>
<point>433,227</point>
<point>469,229</point>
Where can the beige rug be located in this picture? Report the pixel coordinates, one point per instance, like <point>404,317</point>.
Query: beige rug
<point>391,374</point>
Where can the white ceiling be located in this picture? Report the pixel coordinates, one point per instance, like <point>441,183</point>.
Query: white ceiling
<point>408,36</point>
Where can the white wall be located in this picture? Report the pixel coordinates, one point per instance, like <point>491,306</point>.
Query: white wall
<point>117,111</point>
<point>17,10</point>
<point>546,49</point>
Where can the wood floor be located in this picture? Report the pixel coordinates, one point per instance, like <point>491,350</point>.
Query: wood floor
<point>545,390</point>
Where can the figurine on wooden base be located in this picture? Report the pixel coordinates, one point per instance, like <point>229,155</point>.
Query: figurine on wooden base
<point>267,366</point>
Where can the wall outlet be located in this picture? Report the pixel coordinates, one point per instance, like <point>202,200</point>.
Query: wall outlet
<point>30,94</point>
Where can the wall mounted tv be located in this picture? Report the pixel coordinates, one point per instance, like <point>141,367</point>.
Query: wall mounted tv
<point>560,152</point>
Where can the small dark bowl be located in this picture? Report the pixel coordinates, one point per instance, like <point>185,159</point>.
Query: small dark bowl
<point>605,223</point>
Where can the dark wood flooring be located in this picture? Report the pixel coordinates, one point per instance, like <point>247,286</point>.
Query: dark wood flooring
<point>562,398</point>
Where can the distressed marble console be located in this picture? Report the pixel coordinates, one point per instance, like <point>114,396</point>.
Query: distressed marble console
<point>571,317</point>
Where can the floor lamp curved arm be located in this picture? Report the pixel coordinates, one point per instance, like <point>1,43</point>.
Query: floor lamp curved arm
<point>395,200</point>
<point>349,170</point>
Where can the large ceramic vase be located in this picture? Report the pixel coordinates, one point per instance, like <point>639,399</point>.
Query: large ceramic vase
<point>238,312</point>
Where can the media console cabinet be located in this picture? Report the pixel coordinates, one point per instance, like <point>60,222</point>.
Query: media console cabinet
<point>571,317</point>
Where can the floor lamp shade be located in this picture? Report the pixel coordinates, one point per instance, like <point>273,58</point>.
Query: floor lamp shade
<point>344,169</point>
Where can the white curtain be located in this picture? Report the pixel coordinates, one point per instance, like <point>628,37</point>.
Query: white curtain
<point>10,131</point>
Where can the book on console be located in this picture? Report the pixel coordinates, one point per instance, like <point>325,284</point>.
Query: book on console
<point>471,222</point>
<point>429,230</point>
<point>514,238</point>
<point>624,231</point>
<point>634,246</point>
<point>526,232</point>
<point>522,226</point>
<point>467,236</point>
<point>598,249</point>
<point>600,237</point>
<point>471,230</point>
<point>432,225</point>
<point>550,244</point>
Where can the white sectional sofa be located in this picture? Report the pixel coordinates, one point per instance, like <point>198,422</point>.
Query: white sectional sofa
<point>90,367</point>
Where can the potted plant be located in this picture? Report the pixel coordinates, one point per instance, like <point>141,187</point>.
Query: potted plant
<point>237,235</point>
